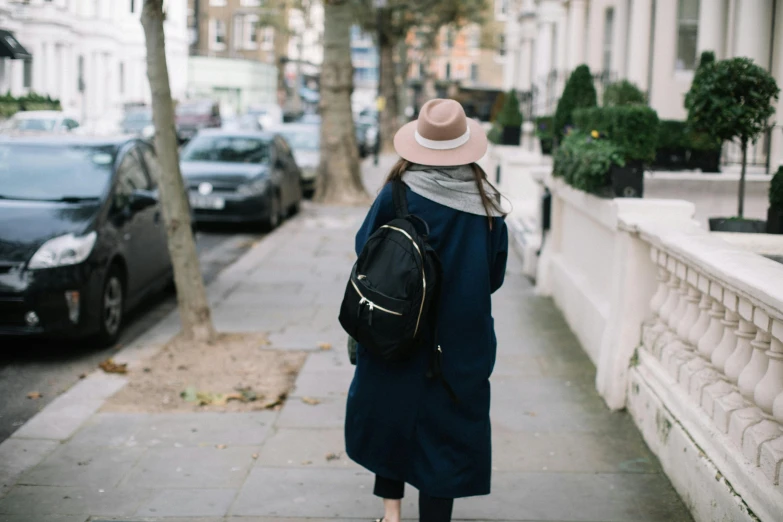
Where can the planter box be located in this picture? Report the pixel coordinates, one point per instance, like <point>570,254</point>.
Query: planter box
<point>774,221</point>
<point>546,146</point>
<point>671,159</point>
<point>512,135</point>
<point>746,226</point>
<point>705,160</point>
<point>627,181</point>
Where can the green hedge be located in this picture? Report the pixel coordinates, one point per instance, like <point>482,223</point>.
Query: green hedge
<point>633,128</point>
<point>578,92</point>
<point>623,93</point>
<point>10,105</point>
<point>672,134</point>
<point>585,162</point>
<point>509,115</point>
<point>776,191</point>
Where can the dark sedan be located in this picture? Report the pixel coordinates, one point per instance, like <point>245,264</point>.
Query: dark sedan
<point>82,238</point>
<point>241,177</point>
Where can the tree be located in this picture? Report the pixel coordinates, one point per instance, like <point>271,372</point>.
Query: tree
<point>732,100</point>
<point>392,25</point>
<point>339,176</point>
<point>194,312</point>
<point>579,92</point>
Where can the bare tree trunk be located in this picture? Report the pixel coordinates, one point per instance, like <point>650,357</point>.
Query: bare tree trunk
<point>741,203</point>
<point>339,174</point>
<point>389,117</point>
<point>194,310</point>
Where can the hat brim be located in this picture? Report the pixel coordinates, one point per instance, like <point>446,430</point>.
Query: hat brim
<point>473,150</point>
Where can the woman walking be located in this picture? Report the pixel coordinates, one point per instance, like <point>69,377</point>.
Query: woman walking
<point>401,424</point>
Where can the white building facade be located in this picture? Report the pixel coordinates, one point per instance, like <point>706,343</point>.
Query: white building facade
<point>655,44</point>
<point>90,54</point>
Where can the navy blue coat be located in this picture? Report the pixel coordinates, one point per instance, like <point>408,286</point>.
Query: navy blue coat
<point>402,425</point>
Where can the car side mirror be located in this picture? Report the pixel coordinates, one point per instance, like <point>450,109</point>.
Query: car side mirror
<point>140,200</point>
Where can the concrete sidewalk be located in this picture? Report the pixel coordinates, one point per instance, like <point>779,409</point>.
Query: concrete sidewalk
<point>559,454</point>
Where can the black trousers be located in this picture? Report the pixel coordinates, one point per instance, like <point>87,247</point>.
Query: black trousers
<point>431,509</point>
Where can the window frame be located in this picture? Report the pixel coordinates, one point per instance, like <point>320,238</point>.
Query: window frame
<point>607,51</point>
<point>214,44</point>
<point>687,24</point>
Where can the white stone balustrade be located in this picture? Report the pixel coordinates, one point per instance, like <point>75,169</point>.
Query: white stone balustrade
<point>686,332</point>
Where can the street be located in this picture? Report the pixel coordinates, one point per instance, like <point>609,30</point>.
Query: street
<point>51,367</point>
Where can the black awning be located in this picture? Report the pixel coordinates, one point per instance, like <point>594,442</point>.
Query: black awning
<point>11,48</point>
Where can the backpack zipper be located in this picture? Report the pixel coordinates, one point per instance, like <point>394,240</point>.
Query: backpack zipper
<point>423,275</point>
<point>372,305</point>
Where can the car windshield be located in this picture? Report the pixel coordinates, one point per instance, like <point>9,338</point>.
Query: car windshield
<point>33,124</point>
<point>54,172</point>
<point>230,149</point>
<point>303,139</point>
<point>138,117</point>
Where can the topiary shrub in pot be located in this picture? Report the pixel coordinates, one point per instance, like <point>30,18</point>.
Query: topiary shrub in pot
<point>585,162</point>
<point>634,129</point>
<point>623,93</point>
<point>579,92</point>
<point>704,146</point>
<point>545,133</point>
<point>732,100</point>
<point>775,212</point>
<point>510,120</point>
<point>671,149</point>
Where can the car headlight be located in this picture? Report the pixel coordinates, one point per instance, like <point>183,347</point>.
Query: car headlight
<point>62,251</point>
<point>254,187</point>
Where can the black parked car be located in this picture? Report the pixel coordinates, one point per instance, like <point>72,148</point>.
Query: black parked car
<point>82,238</point>
<point>241,177</point>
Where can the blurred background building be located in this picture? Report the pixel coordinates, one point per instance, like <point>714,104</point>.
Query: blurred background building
<point>89,54</point>
<point>655,44</point>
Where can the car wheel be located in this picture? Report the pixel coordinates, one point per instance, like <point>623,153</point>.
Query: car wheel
<point>273,221</point>
<point>112,307</point>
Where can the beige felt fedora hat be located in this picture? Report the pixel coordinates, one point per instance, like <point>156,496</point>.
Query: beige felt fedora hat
<point>442,136</point>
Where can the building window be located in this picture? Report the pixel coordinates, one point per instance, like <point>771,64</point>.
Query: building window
<point>122,78</point>
<point>218,3</point>
<point>132,6</point>
<point>608,37</point>
<point>217,34</point>
<point>474,72</point>
<point>474,37</point>
<point>448,71</point>
<point>80,74</point>
<point>251,31</point>
<point>268,38</point>
<point>27,77</point>
<point>250,3</point>
<point>501,45</point>
<point>501,7</point>
<point>687,34</point>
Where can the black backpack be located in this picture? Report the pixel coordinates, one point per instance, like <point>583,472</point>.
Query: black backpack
<point>392,298</point>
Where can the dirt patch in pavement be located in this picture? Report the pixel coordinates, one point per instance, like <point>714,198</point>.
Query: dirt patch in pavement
<point>235,374</point>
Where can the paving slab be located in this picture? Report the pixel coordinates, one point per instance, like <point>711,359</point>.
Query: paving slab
<point>330,413</point>
<point>188,503</point>
<point>305,448</point>
<point>40,502</point>
<point>19,455</point>
<point>83,466</point>
<point>205,467</point>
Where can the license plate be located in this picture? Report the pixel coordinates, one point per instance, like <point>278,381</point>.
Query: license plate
<point>207,202</point>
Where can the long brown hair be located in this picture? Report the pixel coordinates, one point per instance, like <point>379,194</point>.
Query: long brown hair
<point>491,202</point>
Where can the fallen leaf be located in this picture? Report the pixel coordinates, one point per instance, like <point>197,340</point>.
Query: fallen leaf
<point>325,346</point>
<point>83,376</point>
<point>531,413</point>
<point>221,446</point>
<point>147,370</point>
<point>34,395</point>
<point>109,366</point>
<point>306,462</point>
<point>255,456</point>
<point>182,367</point>
<point>332,456</point>
<point>278,403</point>
<point>189,394</point>
<point>311,401</point>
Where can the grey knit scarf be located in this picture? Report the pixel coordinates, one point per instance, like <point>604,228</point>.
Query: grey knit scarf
<point>454,187</point>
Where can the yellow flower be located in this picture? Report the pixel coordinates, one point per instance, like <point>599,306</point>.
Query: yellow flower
<point>595,134</point>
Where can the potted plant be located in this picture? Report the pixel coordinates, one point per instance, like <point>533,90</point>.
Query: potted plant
<point>634,129</point>
<point>585,161</point>
<point>510,120</point>
<point>545,134</point>
<point>671,149</point>
<point>733,100</point>
<point>579,92</point>
<point>775,212</point>
<point>623,93</point>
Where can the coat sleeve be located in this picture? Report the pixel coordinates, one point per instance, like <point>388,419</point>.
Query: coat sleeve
<point>381,212</point>
<point>500,252</point>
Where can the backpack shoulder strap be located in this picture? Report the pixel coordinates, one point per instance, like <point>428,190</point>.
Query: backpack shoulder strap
<point>400,199</point>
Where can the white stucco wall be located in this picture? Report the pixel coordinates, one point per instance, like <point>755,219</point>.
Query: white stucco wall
<point>237,84</point>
